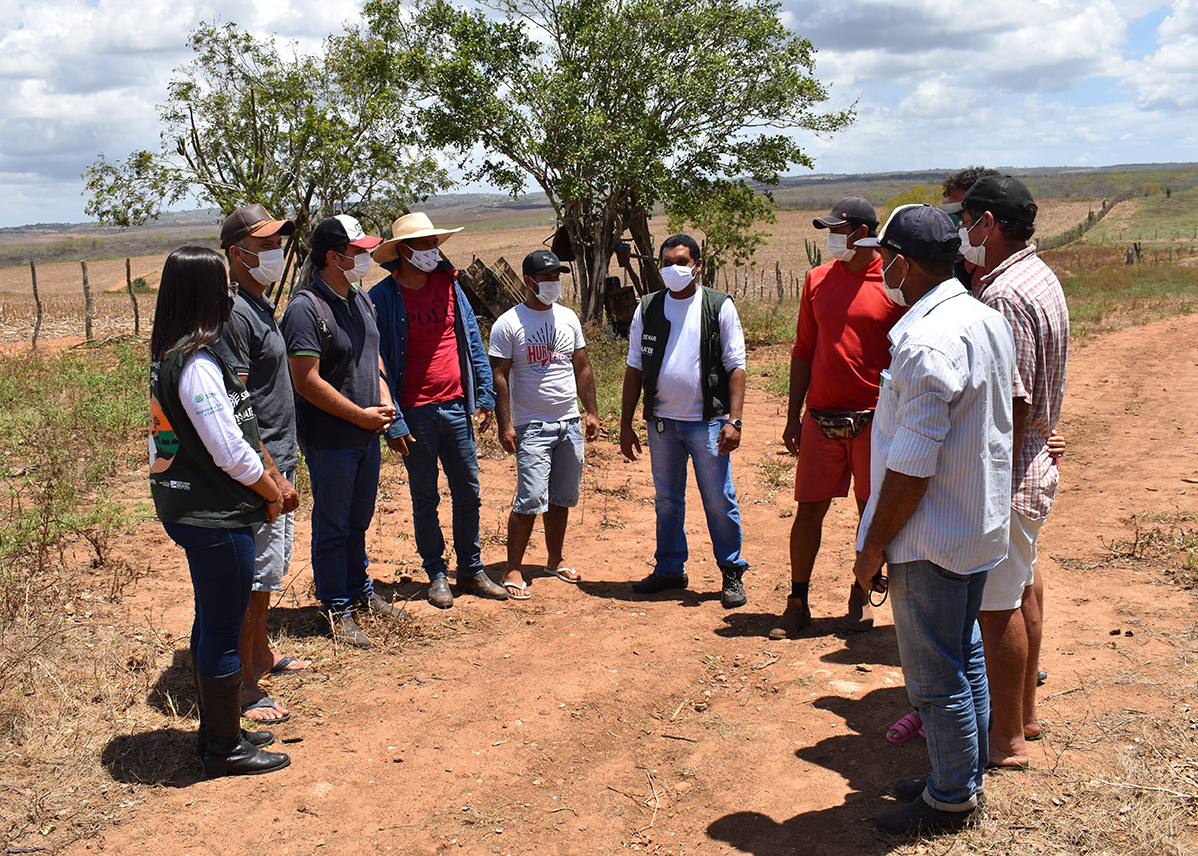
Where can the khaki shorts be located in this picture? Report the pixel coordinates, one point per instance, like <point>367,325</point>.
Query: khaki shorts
<point>1007,580</point>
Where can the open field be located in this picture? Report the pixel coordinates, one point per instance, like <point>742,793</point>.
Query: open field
<point>1152,220</point>
<point>60,283</point>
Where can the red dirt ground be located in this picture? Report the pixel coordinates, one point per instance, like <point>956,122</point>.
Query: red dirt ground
<point>589,720</point>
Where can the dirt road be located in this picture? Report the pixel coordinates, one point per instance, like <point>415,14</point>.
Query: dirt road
<point>589,720</point>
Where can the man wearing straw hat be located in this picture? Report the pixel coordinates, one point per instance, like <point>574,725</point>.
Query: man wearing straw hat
<point>439,375</point>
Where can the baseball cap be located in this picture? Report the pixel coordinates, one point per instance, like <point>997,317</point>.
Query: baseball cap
<point>543,261</point>
<point>342,229</point>
<point>1004,196</point>
<point>851,209</point>
<point>252,220</point>
<point>918,232</point>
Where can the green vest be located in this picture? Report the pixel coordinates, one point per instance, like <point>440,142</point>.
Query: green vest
<point>186,484</point>
<point>656,332</point>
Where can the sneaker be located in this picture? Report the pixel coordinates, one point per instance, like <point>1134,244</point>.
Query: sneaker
<point>861,614</point>
<point>912,789</point>
<point>654,583</point>
<point>919,818</point>
<point>734,590</point>
<point>796,617</point>
<point>480,585</point>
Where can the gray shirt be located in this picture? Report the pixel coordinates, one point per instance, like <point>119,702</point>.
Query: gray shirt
<point>254,348</point>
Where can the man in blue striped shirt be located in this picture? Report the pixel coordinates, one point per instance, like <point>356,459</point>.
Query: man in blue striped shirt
<point>939,508</point>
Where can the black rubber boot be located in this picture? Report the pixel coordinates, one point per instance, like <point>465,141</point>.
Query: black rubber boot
<point>259,738</point>
<point>228,754</point>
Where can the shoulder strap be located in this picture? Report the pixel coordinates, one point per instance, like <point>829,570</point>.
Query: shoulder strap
<point>324,314</point>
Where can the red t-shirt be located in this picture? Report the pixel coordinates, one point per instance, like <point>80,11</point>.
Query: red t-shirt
<point>432,371</point>
<point>843,321</point>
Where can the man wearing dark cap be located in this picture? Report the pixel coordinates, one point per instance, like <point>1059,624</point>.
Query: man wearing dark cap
<point>439,376</point>
<point>539,361</point>
<point>998,218</point>
<point>253,346</point>
<point>938,512</point>
<point>840,347</point>
<point>342,406</point>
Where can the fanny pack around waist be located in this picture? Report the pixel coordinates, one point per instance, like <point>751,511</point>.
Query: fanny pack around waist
<point>844,425</point>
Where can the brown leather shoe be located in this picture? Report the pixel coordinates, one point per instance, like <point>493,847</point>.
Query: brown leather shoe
<point>480,585</point>
<point>439,594</point>
<point>796,617</point>
<point>861,614</point>
<point>346,629</point>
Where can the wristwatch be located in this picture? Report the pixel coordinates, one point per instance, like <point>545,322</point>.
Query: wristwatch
<point>735,423</point>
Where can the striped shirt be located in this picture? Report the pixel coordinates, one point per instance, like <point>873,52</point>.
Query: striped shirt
<point>944,413</point>
<point>1027,293</point>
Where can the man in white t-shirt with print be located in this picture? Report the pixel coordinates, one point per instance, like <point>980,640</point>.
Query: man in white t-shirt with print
<point>686,351</point>
<point>539,360</point>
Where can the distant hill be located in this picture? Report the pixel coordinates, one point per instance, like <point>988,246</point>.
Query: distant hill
<point>44,242</point>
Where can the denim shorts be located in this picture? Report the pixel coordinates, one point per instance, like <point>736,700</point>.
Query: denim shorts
<point>272,549</point>
<point>548,465</point>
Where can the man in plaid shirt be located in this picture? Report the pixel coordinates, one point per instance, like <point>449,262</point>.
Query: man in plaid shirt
<point>997,219</point>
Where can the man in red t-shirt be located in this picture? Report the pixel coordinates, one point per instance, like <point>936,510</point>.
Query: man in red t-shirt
<point>438,371</point>
<point>840,349</point>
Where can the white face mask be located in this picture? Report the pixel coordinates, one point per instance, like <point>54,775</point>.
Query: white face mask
<point>361,267</point>
<point>838,247</point>
<point>270,265</point>
<point>973,255</point>
<point>895,294</point>
<point>426,260</point>
<point>677,277</point>
<point>548,292</point>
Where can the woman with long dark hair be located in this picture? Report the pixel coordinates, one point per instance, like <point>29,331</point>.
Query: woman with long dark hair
<point>209,487</point>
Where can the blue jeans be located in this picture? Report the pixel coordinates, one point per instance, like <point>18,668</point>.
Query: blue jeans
<point>668,453</point>
<point>345,483</point>
<point>221,562</point>
<point>935,619</point>
<point>443,433</point>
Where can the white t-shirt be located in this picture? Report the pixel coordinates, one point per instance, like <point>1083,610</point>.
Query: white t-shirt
<point>541,346</point>
<point>679,392</point>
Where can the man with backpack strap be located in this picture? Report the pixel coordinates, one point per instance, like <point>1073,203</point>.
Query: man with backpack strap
<point>341,406</point>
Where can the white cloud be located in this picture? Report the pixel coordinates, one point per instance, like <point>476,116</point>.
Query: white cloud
<point>1168,78</point>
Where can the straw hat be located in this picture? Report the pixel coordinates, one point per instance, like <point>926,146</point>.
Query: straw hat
<point>406,228</point>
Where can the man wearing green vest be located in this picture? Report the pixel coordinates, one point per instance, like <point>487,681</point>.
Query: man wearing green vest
<point>686,350</point>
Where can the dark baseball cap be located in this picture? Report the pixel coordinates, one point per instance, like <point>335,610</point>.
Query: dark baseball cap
<point>543,261</point>
<point>336,231</point>
<point>851,209</point>
<point>252,220</point>
<point>918,232</point>
<point>1004,196</point>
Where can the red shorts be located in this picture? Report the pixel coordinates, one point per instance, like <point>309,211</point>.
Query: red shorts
<point>825,465</point>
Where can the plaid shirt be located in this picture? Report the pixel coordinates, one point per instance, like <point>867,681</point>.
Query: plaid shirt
<point>1027,293</point>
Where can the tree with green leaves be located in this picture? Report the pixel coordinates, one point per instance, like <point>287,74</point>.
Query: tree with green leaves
<point>306,136</point>
<point>612,107</point>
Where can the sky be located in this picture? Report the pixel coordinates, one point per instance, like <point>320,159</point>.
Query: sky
<point>936,84</point>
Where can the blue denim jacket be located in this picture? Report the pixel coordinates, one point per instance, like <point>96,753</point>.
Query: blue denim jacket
<point>477,383</point>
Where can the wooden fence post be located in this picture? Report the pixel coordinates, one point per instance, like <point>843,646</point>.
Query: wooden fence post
<point>89,308</point>
<point>37,325</point>
<point>133,297</point>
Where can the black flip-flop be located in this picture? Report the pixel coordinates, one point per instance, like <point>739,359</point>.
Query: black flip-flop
<point>280,668</point>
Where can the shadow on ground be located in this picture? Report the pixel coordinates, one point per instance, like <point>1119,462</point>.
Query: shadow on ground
<point>869,772</point>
